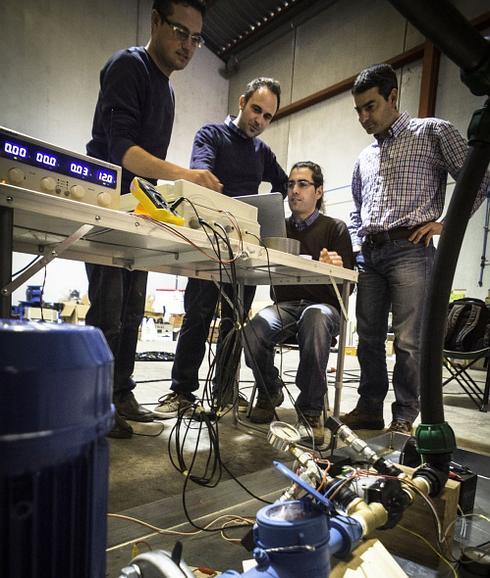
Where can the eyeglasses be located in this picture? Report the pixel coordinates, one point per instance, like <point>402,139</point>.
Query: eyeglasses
<point>301,184</point>
<point>182,34</point>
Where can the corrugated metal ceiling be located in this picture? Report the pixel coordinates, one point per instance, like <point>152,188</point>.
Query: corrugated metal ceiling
<point>231,25</point>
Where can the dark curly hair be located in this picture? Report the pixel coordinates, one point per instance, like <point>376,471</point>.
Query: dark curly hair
<point>270,83</point>
<point>165,7</point>
<point>380,76</point>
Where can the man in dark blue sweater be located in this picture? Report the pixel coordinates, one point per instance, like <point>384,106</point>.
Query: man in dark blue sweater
<point>241,161</point>
<point>308,313</point>
<point>132,127</point>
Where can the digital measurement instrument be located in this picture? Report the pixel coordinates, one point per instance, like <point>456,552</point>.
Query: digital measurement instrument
<point>152,203</point>
<point>39,166</point>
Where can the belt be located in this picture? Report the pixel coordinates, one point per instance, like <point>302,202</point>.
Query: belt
<point>373,239</point>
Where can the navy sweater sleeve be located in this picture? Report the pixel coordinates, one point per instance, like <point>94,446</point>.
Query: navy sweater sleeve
<point>204,149</point>
<point>123,94</point>
<point>273,172</point>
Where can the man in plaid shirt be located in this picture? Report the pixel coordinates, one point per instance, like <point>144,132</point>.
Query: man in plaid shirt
<point>398,187</point>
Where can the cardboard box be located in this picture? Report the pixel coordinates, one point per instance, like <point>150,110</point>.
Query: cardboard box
<point>214,332</point>
<point>36,314</point>
<point>176,320</point>
<point>74,312</point>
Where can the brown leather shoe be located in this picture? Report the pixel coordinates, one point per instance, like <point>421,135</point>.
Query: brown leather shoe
<point>312,430</point>
<point>359,419</point>
<point>127,407</point>
<point>401,426</point>
<point>264,410</point>
<point>121,428</point>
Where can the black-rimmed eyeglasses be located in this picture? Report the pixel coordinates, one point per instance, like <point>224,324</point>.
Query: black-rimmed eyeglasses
<point>183,34</point>
<point>301,184</point>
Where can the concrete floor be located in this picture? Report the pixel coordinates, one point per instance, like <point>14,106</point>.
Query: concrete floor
<point>141,472</point>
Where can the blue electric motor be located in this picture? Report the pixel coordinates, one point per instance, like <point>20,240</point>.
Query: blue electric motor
<point>55,410</point>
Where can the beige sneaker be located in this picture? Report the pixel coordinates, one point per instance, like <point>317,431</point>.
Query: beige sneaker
<point>171,405</point>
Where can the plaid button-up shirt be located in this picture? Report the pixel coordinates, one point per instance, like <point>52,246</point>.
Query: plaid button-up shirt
<point>400,180</point>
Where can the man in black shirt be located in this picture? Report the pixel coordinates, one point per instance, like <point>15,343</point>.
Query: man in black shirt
<point>309,313</point>
<point>132,127</point>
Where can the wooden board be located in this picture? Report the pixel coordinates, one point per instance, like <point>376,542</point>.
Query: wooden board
<point>418,518</point>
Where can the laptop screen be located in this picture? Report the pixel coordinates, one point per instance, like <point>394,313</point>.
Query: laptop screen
<point>270,213</point>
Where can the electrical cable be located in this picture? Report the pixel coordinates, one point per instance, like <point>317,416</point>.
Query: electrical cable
<point>229,348</point>
<point>211,472</point>
<point>158,530</point>
<point>41,296</point>
<point>36,258</point>
<point>438,554</point>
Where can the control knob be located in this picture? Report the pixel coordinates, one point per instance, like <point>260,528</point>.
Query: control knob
<point>16,176</point>
<point>48,185</point>
<point>77,192</point>
<point>104,199</point>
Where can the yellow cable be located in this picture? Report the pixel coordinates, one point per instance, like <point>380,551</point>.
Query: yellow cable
<point>453,570</point>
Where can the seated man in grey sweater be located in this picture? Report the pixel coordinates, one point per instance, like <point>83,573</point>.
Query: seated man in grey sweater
<point>311,313</point>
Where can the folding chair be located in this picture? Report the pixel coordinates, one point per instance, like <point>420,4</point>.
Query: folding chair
<point>458,363</point>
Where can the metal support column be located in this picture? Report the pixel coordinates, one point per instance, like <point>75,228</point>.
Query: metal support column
<point>339,374</point>
<point>6,232</point>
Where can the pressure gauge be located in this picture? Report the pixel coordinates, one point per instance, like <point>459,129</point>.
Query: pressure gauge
<point>282,435</point>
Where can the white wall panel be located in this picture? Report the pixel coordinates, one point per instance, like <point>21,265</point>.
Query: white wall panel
<point>275,60</point>
<point>343,39</point>
<point>51,53</point>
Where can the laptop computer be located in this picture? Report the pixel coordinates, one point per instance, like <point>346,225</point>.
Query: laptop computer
<point>270,213</point>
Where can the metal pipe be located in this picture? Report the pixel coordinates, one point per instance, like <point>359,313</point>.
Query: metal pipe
<point>339,374</point>
<point>448,29</point>
<point>436,307</point>
<point>483,262</point>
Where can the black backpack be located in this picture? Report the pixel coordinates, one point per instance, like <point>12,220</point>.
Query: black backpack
<point>468,325</point>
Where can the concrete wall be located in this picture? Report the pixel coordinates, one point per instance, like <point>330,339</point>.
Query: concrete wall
<point>336,44</point>
<point>51,53</point>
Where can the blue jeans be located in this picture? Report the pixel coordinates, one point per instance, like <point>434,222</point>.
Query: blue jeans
<point>117,305</point>
<point>314,325</point>
<point>200,300</point>
<point>393,275</point>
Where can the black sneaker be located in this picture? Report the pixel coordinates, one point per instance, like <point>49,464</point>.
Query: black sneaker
<point>359,419</point>
<point>121,428</point>
<point>263,412</point>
